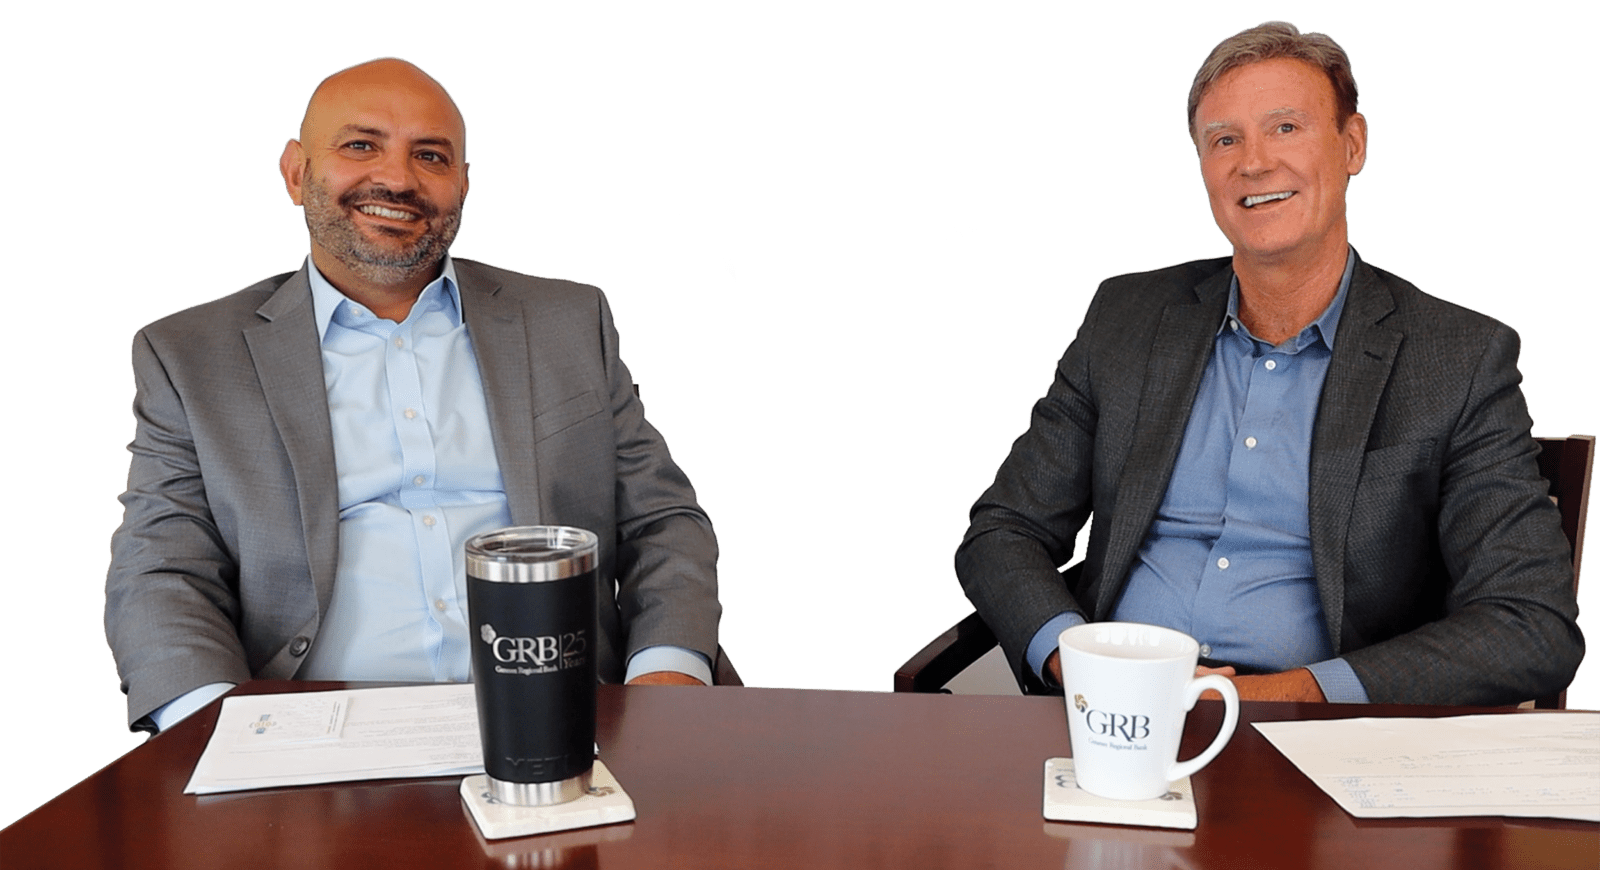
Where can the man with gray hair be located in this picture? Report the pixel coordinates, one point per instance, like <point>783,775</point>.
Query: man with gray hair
<point>1324,475</point>
<point>312,452</point>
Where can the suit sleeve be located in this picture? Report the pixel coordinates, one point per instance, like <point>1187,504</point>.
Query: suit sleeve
<point>666,550</point>
<point>171,591</point>
<point>1508,627</point>
<point>1023,527</point>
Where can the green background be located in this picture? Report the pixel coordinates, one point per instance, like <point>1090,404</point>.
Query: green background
<point>917,202</point>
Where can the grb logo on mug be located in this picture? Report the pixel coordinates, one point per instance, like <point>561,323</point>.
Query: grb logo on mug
<point>1114,725</point>
<point>546,653</point>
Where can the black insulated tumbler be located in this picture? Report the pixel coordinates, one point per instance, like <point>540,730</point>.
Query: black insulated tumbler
<point>531,606</point>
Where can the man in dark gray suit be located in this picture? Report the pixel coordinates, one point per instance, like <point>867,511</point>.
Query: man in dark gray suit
<point>1323,474</point>
<point>312,452</point>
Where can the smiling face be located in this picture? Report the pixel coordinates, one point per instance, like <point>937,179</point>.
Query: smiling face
<point>380,169</point>
<point>1276,164</point>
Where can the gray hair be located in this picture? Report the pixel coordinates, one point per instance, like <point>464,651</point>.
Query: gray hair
<point>1273,40</point>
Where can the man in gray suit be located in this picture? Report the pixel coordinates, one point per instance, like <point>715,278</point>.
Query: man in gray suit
<point>312,452</point>
<point>1323,474</point>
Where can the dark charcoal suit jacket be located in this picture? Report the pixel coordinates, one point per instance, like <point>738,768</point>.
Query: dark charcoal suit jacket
<point>1443,573</point>
<point>225,560</point>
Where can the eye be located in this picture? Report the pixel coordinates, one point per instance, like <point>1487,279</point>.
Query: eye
<point>1287,127</point>
<point>432,157</point>
<point>359,145</point>
<point>1223,141</point>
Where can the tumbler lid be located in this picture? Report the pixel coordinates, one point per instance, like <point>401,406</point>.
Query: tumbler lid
<point>531,554</point>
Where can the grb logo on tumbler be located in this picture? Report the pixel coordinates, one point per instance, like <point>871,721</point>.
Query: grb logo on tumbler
<point>547,652</point>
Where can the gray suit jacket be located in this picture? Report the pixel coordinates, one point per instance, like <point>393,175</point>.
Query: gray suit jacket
<point>1442,569</point>
<point>225,559</point>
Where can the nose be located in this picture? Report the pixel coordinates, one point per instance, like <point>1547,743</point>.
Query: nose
<point>393,170</point>
<point>1256,158</point>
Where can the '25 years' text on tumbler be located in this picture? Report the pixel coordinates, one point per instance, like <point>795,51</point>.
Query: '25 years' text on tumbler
<point>531,607</point>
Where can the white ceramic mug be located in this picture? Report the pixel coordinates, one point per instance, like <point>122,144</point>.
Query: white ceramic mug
<point>1129,688</point>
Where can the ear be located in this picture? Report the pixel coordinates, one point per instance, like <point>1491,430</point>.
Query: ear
<point>465,182</point>
<point>293,167</point>
<point>1355,140</point>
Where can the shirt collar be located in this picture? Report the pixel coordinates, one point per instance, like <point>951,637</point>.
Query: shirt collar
<point>1326,324</point>
<point>326,298</point>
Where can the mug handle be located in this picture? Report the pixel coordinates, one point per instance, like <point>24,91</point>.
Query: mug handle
<point>1230,718</point>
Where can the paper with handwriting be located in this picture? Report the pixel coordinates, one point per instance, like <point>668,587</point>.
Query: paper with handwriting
<point>1544,765</point>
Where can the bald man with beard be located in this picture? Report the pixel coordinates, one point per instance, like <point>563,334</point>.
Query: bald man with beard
<point>312,452</point>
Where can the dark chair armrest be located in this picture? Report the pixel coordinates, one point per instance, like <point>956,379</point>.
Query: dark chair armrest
<point>722,672</point>
<point>949,654</point>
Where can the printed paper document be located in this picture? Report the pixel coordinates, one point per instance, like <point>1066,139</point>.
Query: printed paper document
<point>1544,765</point>
<point>302,738</point>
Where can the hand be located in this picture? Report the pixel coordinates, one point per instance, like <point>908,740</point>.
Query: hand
<point>664,678</point>
<point>1052,667</point>
<point>1295,685</point>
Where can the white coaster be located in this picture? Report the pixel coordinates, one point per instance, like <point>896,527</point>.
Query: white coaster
<point>605,804</point>
<point>1065,802</point>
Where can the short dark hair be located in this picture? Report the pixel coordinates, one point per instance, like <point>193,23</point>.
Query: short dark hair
<point>1273,40</point>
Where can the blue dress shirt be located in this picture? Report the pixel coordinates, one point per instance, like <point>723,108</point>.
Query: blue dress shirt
<point>1228,558</point>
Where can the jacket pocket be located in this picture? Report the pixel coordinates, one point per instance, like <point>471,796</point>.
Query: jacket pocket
<point>566,414</point>
<point>1396,459</point>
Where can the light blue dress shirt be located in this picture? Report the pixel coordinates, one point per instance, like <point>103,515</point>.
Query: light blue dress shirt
<point>417,477</point>
<point>1228,557</point>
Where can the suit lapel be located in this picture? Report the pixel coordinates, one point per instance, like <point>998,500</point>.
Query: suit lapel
<point>500,344</point>
<point>288,362</point>
<point>1363,357</point>
<point>1182,345</point>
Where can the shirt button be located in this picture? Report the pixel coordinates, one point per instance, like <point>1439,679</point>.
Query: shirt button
<point>1223,563</point>
<point>1271,364</point>
<point>429,521</point>
<point>399,342</point>
<point>1250,442</point>
<point>1205,650</point>
<point>299,645</point>
<point>418,480</point>
<point>411,413</point>
<point>439,605</point>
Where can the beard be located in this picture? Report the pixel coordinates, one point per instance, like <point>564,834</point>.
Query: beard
<point>329,221</point>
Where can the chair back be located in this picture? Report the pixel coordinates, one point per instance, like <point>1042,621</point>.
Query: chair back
<point>1568,463</point>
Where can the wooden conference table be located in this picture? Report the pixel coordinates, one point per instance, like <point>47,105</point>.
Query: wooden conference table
<point>768,778</point>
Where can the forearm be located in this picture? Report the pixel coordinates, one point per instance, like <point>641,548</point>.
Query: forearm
<point>1472,657</point>
<point>167,639</point>
<point>667,586</point>
<point>1013,582</point>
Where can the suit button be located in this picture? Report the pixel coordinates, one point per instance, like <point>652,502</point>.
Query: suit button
<point>299,645</point>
